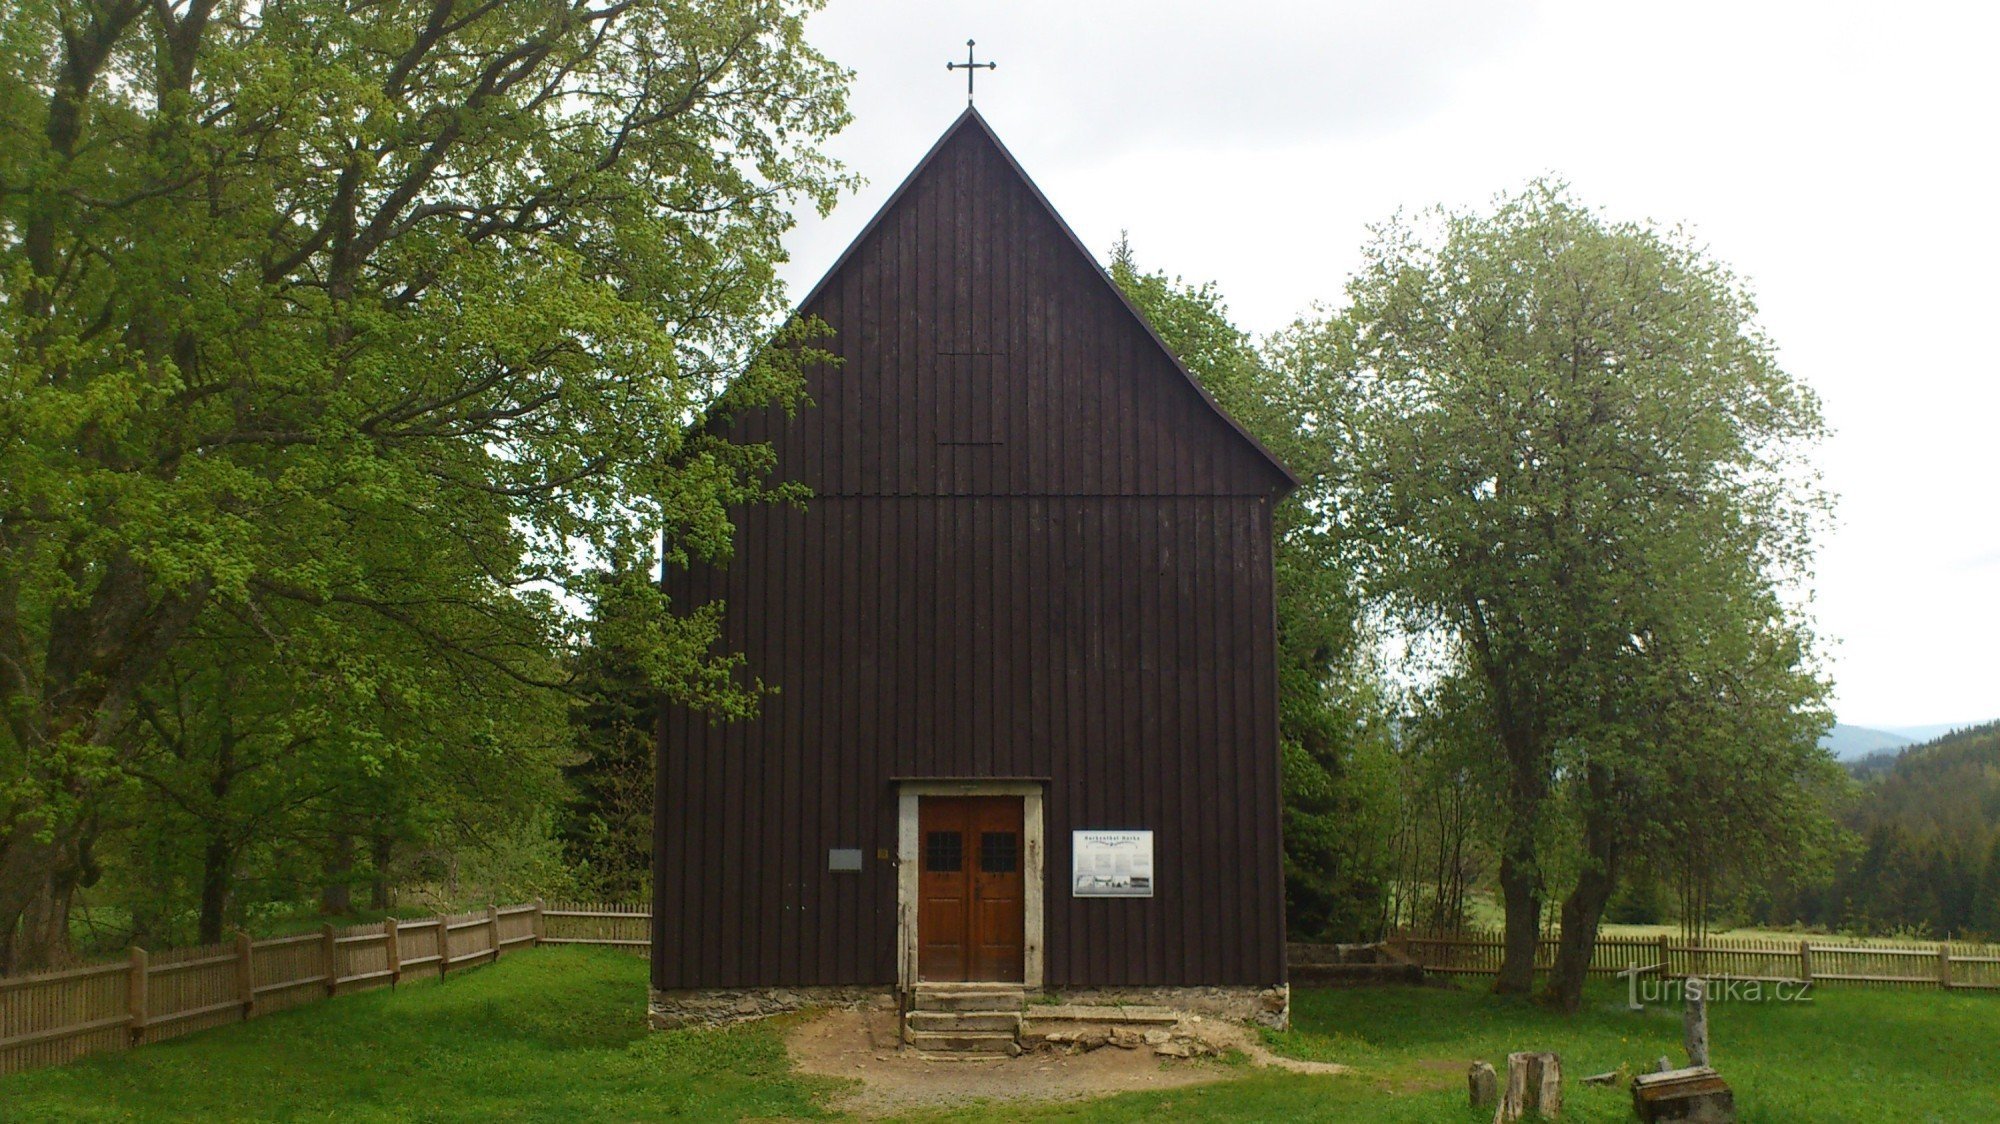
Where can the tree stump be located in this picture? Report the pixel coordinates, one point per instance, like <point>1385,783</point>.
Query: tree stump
<point>1482,1084</point>
<point>1694,1021</point>
<point>1696,1095</point>
<point>1534,1085</point>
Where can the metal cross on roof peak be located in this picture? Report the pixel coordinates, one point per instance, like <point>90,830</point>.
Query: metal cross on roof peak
<point>969,67</point>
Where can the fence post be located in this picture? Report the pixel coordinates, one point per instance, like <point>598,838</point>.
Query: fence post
<point>535,924</point>
<point>1944,966</point>
<point>392,948</point>
<point>246,978</point>
<point>135,993</point>
<point>493,929</point>
<point>444,944</point>
<point>1805,961</point>
<point>1666,961</point>
<point>330,952</point>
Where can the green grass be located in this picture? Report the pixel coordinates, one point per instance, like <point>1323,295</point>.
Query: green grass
<point>558,1034</point>
<point>1862,1056</point>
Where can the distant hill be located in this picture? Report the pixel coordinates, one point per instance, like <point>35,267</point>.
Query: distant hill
<point>1926,819</point>
<point>1930,733</point>
<point>1851,743</point>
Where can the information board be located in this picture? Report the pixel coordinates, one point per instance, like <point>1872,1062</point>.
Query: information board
<point>1111,864</point>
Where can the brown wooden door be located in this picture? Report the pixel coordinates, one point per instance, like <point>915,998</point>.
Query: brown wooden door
<point>970,908</point>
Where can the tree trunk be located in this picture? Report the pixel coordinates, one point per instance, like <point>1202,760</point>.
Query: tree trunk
<point>381,849</point>
<point>44,936</point>
<point>37,880</point>
<point>1581,912</point>
<point>1523,935</point>
<point>216,859</point>
<point>218,856</point>
<point>1584,907</point>
<point>336,896</point>
<point>1520,874</point>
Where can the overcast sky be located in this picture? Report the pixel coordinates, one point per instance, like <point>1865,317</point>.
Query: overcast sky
<point>1840,157</point>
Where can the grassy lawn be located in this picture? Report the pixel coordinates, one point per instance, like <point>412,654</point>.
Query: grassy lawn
<point>557,1035</point>
<point>1862,1056</point>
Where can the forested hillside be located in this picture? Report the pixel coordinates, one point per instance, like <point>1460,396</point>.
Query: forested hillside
<point>1926,858</point>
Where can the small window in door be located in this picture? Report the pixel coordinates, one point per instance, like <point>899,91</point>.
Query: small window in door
<point>944,851</point>
<point>999,852</point>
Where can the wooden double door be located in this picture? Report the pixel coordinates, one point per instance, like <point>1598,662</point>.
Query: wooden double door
<point>970,902</point>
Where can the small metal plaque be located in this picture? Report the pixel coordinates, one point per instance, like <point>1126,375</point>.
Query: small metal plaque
<point>844,859</point>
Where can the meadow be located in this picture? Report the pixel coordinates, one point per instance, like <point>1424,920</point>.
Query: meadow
<point>558,1034</point>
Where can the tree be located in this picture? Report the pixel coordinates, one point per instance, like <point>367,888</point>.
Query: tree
<point>1338,764</point>
<point>1578,473</point>
<point>1986,899</point>
<point>381,311</point>
<point>608,828</point>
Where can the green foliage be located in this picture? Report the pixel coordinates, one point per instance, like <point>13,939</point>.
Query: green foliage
<point>367,329</point>
<point>1339,783</point>
<point>1574,473</point>
<point>1928,858</point>
<point>608,828</point>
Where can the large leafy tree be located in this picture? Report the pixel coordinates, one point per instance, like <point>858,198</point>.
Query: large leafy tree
<point>385,311</point>
<point>1578,472</point>
<point>1338,760</point>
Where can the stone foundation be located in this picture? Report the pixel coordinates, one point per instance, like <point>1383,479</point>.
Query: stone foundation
<point>1266,1006</point>
<point>686,1007</point>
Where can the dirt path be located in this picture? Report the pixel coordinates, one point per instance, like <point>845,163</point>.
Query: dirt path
<point>861,1045</point>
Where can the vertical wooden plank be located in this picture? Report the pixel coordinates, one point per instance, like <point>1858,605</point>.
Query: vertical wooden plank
<point>977,642</point>
<point>493,929</point>
<point>443,944</point>
<point>1261,627</point>
<point>329,954</point>
<point>1093,775</point>
<point>788,570</point>
<point>1196,757</point>
<point>136,987</point>
<point>821,749</point>
<point>1218,816</point>
<point>392,947</point>
<point>843,681</point>
<point>776,843</point>
<point>246,975</point>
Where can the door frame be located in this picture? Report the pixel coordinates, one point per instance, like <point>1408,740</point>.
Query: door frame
<point>909,795</point>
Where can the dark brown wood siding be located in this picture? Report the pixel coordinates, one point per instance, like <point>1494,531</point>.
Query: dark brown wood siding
<point>1035,551</point>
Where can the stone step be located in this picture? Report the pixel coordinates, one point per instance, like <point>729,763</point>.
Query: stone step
<point>1101,1014</point>
<point>948,1021</point>
<point>934,997</point>
<point>963,1042</point>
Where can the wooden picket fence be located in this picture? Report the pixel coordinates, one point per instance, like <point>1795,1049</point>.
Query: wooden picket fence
<point>1817,960</point>
<point>54,1017</point>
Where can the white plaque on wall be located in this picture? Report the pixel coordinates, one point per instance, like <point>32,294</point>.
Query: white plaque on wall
<point>1111,864</point>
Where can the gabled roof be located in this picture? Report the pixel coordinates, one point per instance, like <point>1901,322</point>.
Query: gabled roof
<point>971,119</point>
